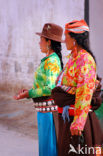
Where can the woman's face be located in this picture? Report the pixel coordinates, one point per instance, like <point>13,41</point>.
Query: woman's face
<point>69,41</point>
<point>43,45</point>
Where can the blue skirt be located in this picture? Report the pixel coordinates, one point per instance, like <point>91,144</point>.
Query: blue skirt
<point>46,134</point>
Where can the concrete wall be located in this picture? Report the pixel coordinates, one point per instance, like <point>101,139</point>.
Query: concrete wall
<point>96,35</point>
<point>19,49</point>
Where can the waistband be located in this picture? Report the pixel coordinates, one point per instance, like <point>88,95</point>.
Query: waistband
<point>65,88</point>
<point>46,106</point>
<point>48,102</point>
<point>70,110</point>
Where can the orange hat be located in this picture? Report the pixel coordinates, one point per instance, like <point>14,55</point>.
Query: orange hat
<point>76,26</point>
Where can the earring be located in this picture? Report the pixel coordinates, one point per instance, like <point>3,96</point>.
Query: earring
<point>74,50</point>
<point>48,49</point>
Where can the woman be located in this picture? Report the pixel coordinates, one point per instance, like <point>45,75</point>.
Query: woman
<point>76,85</point>
<point>44,82</point>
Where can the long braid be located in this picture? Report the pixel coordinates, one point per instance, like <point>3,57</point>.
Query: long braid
<point>56,47</point>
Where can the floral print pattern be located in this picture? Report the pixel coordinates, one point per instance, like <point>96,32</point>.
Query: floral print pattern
<point>45,76</point>
<point>80,75</point>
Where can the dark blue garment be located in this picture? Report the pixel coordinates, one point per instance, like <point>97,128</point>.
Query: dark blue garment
<point>46,134</point>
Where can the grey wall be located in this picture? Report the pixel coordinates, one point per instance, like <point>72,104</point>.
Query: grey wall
<point>19,48</point>
<point>96,34</point>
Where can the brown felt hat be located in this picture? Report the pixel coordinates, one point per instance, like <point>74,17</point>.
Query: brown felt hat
<point>52,31</point>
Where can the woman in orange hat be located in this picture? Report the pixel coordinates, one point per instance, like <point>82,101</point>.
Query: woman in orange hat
<point>44,82</point>
<point>78,125</point>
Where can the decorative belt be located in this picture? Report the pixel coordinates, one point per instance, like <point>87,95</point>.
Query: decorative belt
<point>70,110</point>
<point>46,106</point>
<point>65,88</point>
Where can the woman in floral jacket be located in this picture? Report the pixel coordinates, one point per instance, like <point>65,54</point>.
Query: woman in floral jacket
<point>44,81</point>
<point>78,80</point>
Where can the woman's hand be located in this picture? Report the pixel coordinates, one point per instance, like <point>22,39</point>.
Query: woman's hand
<point>22,91</point>
<point>22,94</point>
<point>75,131</point>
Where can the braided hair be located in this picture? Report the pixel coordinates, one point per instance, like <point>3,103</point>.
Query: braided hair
<point>56,47</point>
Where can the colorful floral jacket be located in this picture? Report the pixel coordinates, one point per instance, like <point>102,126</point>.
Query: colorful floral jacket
<point>80,74</point>
<point>45,76</point>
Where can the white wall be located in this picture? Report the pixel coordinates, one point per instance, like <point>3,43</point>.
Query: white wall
<point>96,35</point>
<point>19,48</point>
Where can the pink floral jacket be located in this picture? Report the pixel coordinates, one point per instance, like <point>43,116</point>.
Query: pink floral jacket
<point>80,74</point>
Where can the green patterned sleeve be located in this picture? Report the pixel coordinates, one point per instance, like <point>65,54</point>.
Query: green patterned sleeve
<point>38,92</point>
<point>52,69</point>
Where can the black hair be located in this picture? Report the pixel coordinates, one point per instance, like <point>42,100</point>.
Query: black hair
<point>83,41</point>
<point>57,48</point>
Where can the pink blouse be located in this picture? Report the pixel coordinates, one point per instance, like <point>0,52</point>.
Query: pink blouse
<point>80,74</point>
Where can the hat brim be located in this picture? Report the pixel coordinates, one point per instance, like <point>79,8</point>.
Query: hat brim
<point>40,34</point>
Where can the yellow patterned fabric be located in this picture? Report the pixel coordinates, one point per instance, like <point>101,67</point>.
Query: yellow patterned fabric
<point>45,76</point>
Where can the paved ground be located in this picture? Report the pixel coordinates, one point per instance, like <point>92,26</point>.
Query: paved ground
<point>19,115</point>
<point>18,127</point>
<point>16,144</point>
